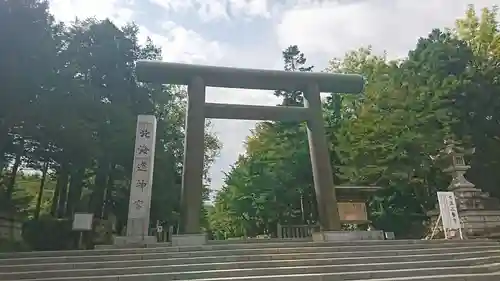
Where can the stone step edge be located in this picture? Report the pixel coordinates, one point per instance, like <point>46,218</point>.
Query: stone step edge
<point>394,247</point>
<point>451,277</point>
<point>321,275</point>
<point>494,260</point>
<point>13,268</point>
<point>374,252</point>
<point>221,243</point>
<point>215,247</point>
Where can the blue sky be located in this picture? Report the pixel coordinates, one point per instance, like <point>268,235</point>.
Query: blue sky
<point>252,33</point>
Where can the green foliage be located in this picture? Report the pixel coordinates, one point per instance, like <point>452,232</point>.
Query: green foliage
<point>446,88</point>
<point>48,234</point>
<point>7,246</point>
<point>272,182</point>
<point>294,60</point>
<point>69,106</point>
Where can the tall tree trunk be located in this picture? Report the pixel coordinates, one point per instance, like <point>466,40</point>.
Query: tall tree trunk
<point>75,191</point>
<point>4,140</point>
<point>302,208</point>
<point>62,181</point>
<point>40,190</point>
<point>15,168</point>
<point>313,206</point>
<point>109,189</point>
<point>3,164</point>
<point>55,200</point>
<point>97,197</point>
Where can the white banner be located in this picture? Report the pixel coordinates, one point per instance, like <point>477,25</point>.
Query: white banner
<point>448,210</point>
<point>82,221</point>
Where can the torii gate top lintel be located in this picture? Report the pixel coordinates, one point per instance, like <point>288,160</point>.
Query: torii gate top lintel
<point>245,78</point>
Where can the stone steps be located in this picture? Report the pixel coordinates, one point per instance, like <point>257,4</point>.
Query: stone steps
<point>470,273</point>
<point>260,260</point>
<point>237,250</point>
<point>360,260</point>
<point>212,246</point>
<point>212,271</point>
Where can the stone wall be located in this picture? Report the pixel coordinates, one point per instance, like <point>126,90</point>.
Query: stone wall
<point>10,229</point>
<point>478,223</point>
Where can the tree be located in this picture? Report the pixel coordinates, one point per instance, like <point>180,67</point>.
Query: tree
<point>443,90</point>
<point>479,105</point>
<point>71,103</point>
<point>409,108</point>
<point>272,182</point>
<point>27,63</point>
<point>294,60</point>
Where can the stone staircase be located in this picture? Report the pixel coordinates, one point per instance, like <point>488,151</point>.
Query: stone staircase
<point>474,260</point>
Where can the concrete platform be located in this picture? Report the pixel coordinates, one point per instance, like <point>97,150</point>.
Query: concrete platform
<point>189,240</point>
<point>126,241</point>
<point>349,260</point>
<point>335,236</point>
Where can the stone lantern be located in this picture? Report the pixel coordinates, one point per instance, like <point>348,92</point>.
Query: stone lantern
<point>479,213</point>
<point>453,156</point>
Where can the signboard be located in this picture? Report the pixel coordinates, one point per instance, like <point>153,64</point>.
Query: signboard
<point>352,211</point>
<point>83,221</point>
<point>140,190</point>
<point>448,210</point>
<point>142,176</point>
<point>390,236</point>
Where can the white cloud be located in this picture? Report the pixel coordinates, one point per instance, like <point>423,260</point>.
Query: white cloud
<point>206,9</point>
<point>183,45</point>
<point>209,10</point>
<point>252,8</point>
<point>179,44</point>
<point>68,10</point>
<point>174,5</point>
<point>332,28</point>
<point>191,44</point>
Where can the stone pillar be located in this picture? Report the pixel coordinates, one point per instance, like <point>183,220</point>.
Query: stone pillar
<point>320,160</point>
<point>141,184</point>
<point>194,147</point>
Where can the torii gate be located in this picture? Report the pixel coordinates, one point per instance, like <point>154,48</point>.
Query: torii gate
<point>198,77</point>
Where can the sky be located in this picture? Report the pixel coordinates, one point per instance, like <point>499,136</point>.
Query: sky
<point>253,33</point>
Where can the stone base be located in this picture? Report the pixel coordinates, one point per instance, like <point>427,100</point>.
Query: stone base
<point>480,222</point>
<point>332,236</point>
<point>135,240</point>
<point>189,239</point>
<point>476,223</point>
